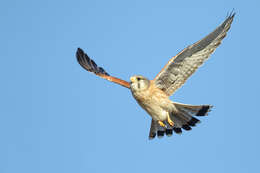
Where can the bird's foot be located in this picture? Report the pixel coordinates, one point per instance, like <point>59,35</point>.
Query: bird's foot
<point>170,121</point>
<point>161,124</point>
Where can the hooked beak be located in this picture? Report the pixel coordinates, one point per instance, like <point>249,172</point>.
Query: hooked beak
<point>132,79</point>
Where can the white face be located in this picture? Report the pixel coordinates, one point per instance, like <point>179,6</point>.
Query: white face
<point>139,83</point>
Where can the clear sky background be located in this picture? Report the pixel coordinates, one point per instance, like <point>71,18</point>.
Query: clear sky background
<point>57,117</point>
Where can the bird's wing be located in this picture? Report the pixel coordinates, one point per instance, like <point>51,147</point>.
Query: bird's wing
<point>185,63</point>
<point>91,66</point>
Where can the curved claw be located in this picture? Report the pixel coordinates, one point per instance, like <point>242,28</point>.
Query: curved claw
<point>161,124</point>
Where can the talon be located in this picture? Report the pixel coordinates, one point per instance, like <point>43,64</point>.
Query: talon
<point>170,121</point>
<point>161,124</point>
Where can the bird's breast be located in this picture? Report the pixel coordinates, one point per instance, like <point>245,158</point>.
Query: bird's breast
<point>154,101</point>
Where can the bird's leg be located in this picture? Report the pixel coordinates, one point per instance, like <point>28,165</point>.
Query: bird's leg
<point>161,123</point>
<point>170,121</point>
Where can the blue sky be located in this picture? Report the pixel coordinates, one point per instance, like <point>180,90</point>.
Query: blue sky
<point>56,117</point>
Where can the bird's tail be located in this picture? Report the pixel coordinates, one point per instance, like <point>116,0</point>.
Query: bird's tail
<point>183,118</point>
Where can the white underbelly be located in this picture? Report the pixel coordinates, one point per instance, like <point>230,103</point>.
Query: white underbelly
<point>157,113</point>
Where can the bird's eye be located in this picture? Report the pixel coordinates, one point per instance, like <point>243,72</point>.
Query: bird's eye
<point>138,79</point>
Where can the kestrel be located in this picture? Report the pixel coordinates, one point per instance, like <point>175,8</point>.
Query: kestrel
<point>153,95</point>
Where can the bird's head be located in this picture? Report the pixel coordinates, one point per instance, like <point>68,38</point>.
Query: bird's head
<point>139,83</point>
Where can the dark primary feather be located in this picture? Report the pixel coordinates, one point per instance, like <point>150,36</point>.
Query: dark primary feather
<point>91,66</point>
<point>88,63</point>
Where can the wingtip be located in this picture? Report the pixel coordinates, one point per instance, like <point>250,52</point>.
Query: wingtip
<point>79,53</point>
<point>79,49</point>
<point>229,19</point>
<point>231,14</point>
<point>86,62</point>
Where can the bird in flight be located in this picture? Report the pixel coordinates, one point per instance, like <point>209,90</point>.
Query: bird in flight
<point>153,95</point>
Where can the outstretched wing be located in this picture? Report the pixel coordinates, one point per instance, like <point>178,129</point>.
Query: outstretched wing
<point>185,63</point>
<point>91,66</point>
